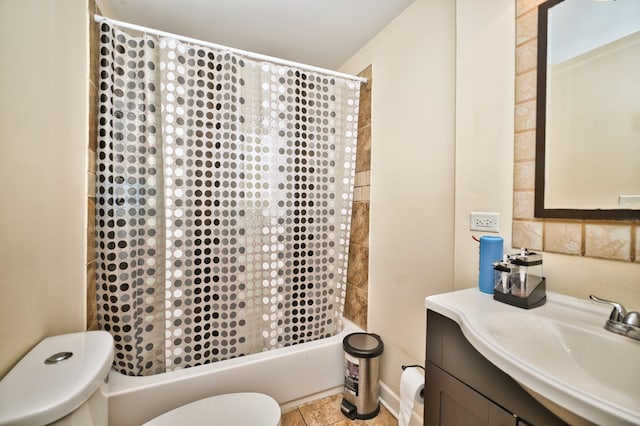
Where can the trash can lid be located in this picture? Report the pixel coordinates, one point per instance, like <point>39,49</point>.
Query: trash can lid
<point>363,345</point>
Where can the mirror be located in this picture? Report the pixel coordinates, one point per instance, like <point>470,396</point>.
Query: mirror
<point>588,110</point>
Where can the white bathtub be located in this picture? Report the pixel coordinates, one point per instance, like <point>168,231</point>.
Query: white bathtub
<point>290,375</point>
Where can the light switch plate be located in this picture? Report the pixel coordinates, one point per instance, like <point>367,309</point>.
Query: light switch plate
<point>629,201</point>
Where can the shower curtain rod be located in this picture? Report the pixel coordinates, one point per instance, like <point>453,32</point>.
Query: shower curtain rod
<point>252,55</point>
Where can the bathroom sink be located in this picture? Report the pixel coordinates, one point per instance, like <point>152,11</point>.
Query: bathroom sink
<point>563,349</point>
<point>559,353</point>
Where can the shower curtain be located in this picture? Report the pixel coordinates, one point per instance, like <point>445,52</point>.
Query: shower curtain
<point>224,192</point>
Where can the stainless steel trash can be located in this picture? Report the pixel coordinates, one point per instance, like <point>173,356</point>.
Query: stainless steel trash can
<point>361,375</point>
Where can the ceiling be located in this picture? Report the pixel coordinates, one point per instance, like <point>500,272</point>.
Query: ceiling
<point>323,33</point>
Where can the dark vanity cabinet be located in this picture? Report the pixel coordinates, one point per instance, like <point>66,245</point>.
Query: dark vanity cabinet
<point>464,388</point>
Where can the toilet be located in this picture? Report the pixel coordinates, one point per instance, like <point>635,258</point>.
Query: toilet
<point>228,409</point>
<point>63,381</point>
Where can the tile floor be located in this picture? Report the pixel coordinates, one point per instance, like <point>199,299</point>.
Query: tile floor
<point>326,411</point>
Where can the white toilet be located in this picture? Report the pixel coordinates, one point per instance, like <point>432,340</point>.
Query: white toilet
<point>229,409</point>
<point>63,381</point>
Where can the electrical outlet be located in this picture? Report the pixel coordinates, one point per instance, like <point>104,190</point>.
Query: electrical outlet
<point>483,221</point>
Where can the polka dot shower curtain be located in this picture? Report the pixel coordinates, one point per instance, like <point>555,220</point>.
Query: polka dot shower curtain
<point>223,205</point>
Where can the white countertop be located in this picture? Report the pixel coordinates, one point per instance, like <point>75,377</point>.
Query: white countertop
<point>559,352</point>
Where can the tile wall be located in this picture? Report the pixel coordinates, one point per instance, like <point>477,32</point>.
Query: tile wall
<point>615,240</point>
<point>356,302</point>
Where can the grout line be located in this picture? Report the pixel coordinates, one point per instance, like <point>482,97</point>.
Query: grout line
<point>524,101</point>
<point>524,160</point>
<point>527,41</point>
<point>302,417</point>
<point>633,255</point>
<point>526,71</point>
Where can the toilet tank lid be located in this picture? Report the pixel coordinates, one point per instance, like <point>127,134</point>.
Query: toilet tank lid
<point>35,392</point>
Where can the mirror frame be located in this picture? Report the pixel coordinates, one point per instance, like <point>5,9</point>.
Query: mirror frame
<point>539,208</point>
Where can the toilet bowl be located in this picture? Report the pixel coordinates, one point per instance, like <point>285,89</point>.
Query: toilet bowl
<point>228,409</point>
<point>62,381</point>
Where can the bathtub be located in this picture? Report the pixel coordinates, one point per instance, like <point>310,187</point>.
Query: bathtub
<point>291,375</point>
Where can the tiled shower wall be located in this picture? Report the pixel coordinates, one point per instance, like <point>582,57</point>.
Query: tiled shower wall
<point>615,240</point>
<point>357,275</point>
<point>356,302</point>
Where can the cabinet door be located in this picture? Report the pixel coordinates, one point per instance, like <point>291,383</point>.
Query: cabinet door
<point>448,350</point>
<point>449,402</point>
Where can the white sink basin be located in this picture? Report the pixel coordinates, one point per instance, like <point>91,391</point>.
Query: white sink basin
<point>559,353</point>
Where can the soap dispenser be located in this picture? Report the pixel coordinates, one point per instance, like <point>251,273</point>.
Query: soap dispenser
<point>501,275</point>
<point>519,281</point>
<point>526,273</point>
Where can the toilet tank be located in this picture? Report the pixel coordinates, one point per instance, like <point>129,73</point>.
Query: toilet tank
<point>62,380</point>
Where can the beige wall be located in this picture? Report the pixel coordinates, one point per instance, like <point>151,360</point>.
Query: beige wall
<point>412,175</point>
<point>43,138</point>
<point>485,52</point>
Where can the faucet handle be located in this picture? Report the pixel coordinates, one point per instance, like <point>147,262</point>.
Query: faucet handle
<point>632,318</point>
<point>617,314</point>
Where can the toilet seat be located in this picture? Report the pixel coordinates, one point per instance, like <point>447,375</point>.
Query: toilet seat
<point>246,408</point>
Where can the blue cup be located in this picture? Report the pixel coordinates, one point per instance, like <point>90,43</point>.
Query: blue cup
<point>491,251</point>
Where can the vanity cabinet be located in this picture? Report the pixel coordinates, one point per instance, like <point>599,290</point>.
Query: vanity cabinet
<point>464,388</point>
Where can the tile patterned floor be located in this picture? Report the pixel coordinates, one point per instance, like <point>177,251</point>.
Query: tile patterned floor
<point>325,412</point>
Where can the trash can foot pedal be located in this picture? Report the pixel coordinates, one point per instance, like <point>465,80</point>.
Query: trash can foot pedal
<point>348,409</point>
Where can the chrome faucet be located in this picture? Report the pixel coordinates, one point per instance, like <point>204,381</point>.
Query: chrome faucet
<point>620,321</point>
